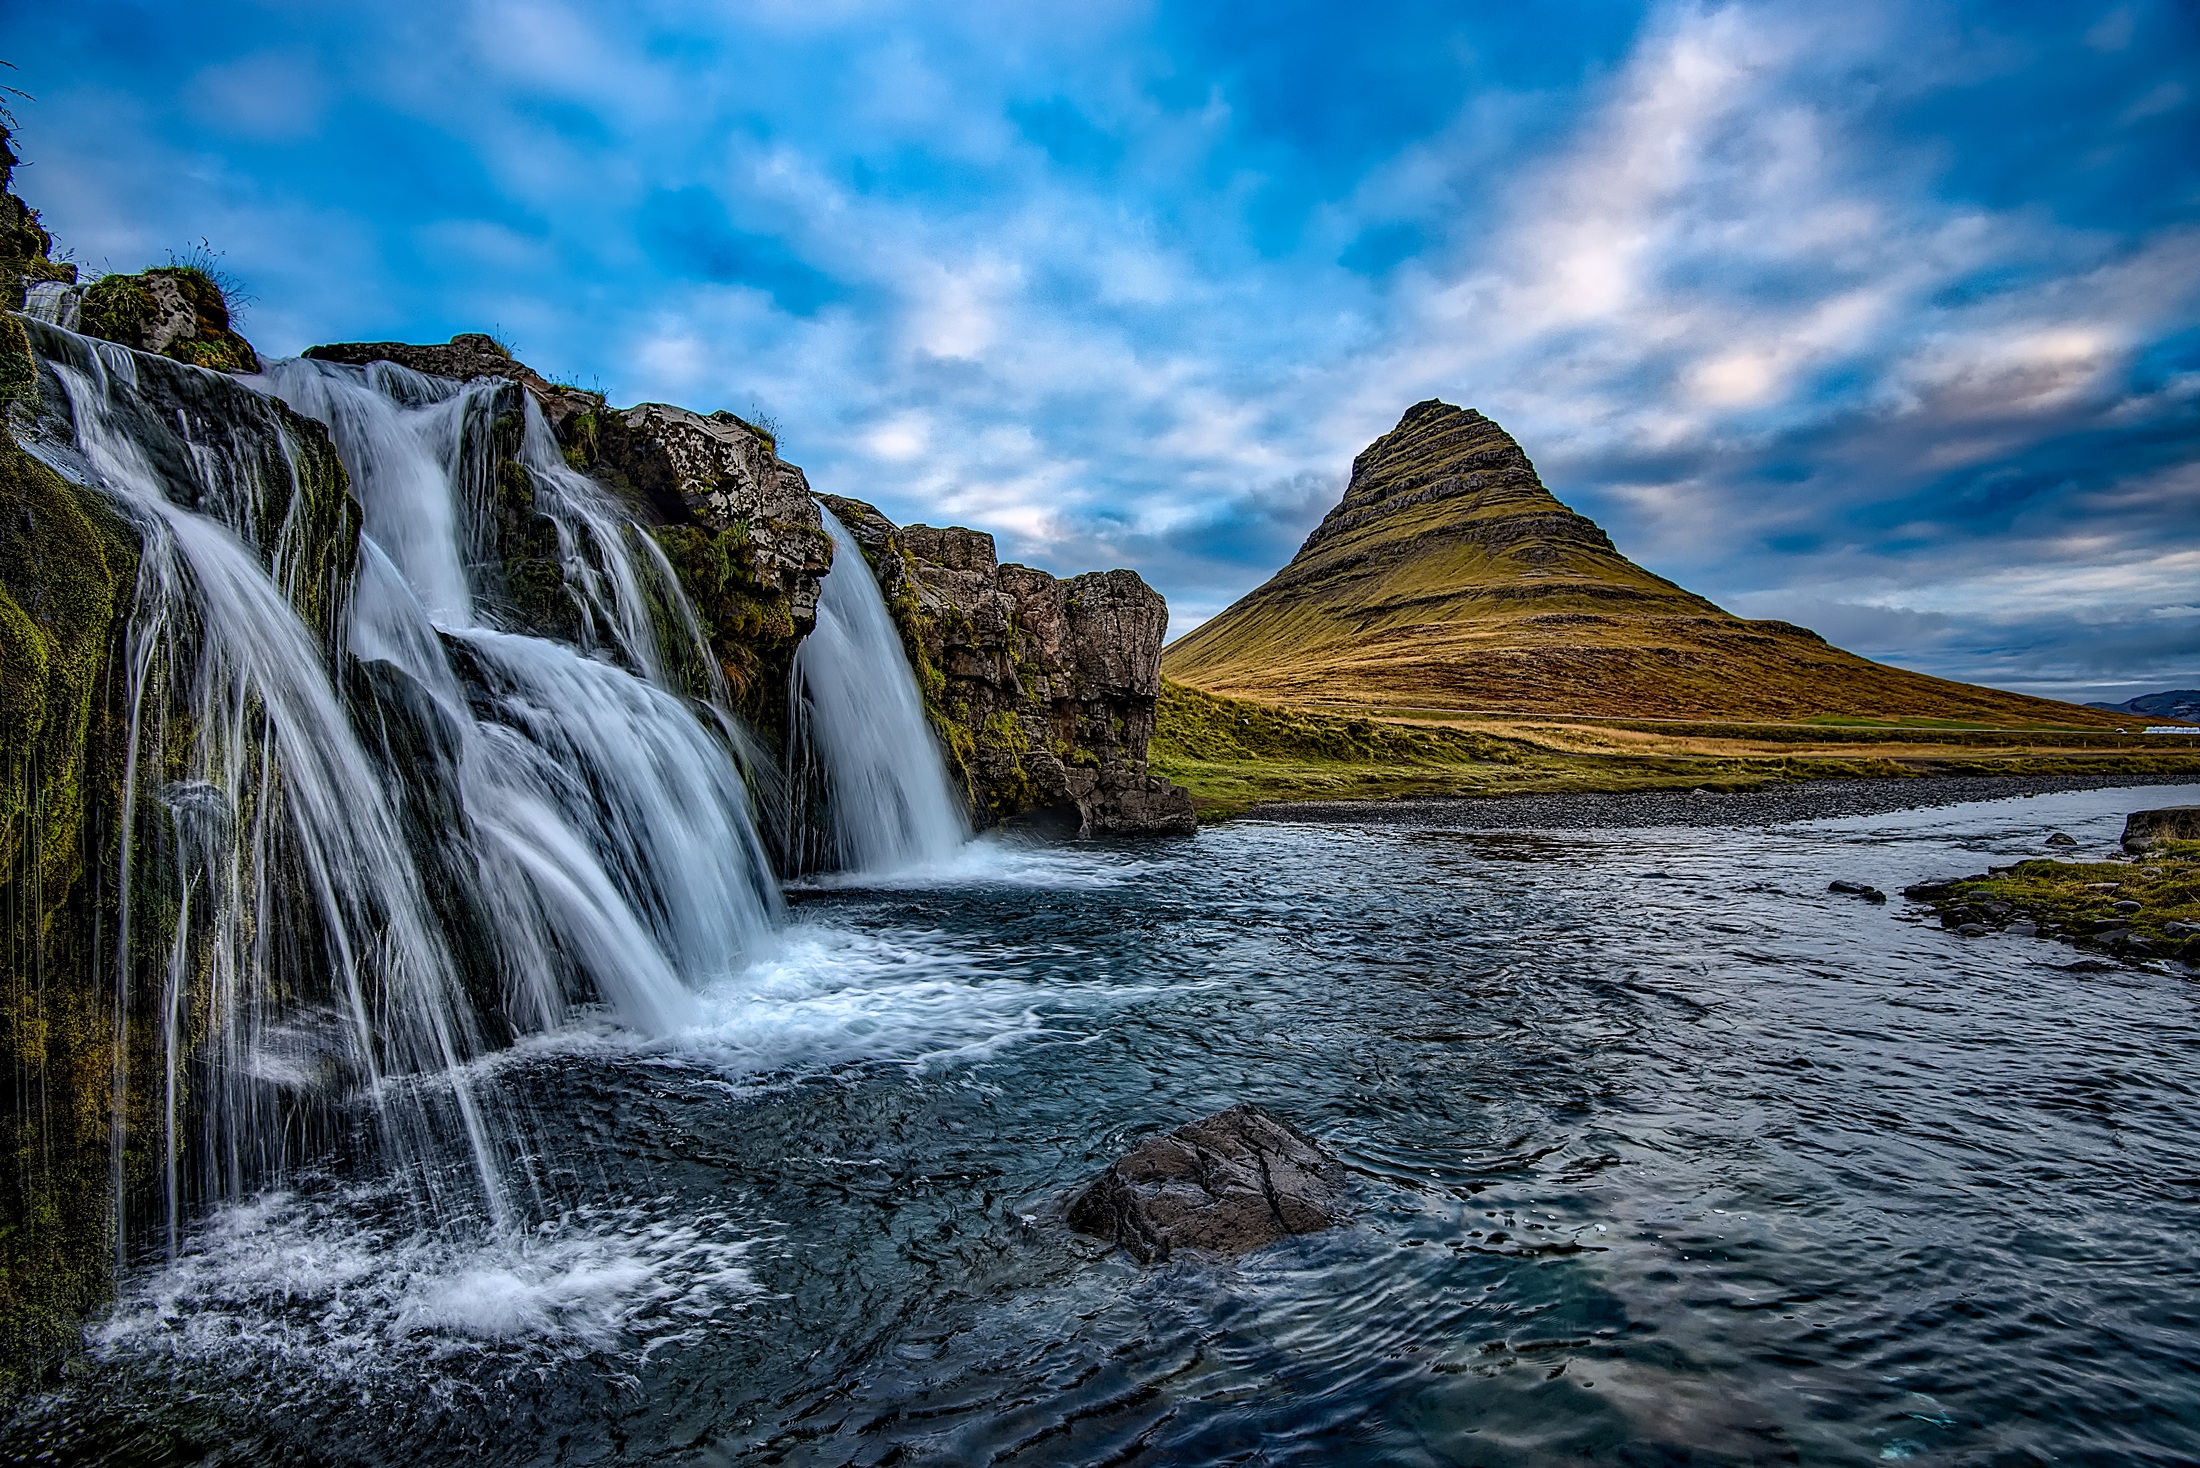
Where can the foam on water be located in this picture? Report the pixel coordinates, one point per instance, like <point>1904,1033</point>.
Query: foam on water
<point>291,1282</point>
<point>997,859</point>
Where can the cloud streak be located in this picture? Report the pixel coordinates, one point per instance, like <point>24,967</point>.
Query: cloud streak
<point>1883,319</point>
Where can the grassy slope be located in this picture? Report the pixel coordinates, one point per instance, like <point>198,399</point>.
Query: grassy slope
<point>1450,578</point>
<point>1234,753</point>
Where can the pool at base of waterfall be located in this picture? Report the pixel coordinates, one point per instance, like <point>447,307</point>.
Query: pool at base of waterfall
<point>1658,1152</point>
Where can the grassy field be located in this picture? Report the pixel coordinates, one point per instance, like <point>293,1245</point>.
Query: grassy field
<point>1234,753</point>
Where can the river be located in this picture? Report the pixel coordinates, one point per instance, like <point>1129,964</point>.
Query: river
<point>1660,1153</point>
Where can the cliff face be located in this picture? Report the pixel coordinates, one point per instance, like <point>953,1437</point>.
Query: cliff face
<point>1448,577</point>
<point>736,522</point>
<point>1043,689</point>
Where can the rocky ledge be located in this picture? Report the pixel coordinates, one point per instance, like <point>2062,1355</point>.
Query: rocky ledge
<point>1044,689</point>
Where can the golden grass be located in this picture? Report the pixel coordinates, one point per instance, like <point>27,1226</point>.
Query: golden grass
<point>1235,753</point>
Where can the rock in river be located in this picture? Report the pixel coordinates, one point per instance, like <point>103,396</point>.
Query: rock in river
<point>1228,1183</point>
<point>2146,829</point>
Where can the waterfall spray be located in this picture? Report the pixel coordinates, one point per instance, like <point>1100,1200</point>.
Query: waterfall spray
<point>389,827</point>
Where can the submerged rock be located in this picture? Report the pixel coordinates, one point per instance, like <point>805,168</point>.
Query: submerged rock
<point>1226,1184</point>
<point>2062,838</point>
<point>2145,830</point>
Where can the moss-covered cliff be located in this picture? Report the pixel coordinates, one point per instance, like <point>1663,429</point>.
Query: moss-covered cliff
<point>67,566</point>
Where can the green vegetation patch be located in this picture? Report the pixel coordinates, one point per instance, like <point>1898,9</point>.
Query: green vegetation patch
<point>2145,909</point>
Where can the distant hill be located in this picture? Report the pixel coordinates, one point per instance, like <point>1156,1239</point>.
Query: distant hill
<point>2177,703</point>
<point>1449,577</point>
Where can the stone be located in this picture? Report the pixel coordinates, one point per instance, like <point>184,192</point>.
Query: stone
<point>2145,830</point>
<point>2025,928</point>
<point>2127,905</point>
<point>1854,889</point>
<point>1229,1183</point>
<point>2061,838</point>
<point>1972,930</point>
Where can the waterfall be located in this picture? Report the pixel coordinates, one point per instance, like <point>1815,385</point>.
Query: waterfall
<point>891,804</point>
<point>404,826</point>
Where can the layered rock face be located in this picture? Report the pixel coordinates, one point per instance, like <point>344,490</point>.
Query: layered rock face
<point>1448,577</point>
<point>1044,689</point>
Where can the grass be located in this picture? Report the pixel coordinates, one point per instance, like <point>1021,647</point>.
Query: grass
<point>2077,900</point>
<point>1236,753</point>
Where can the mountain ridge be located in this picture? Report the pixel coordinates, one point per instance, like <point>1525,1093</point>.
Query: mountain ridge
<point>1449,577</point>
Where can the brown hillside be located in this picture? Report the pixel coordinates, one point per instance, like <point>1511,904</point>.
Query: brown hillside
<point>1450,578</point>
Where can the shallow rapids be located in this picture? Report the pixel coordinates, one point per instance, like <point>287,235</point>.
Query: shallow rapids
<point>1660,1153</point>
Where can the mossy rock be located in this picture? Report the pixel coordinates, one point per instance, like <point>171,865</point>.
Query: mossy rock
<point>176,311</point>
<point>67,569</point>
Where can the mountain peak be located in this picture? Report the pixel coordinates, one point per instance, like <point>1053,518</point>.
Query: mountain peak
<point>1448,576</point>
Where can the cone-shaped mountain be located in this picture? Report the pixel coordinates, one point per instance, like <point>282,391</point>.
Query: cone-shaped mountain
<point>1449,577</point>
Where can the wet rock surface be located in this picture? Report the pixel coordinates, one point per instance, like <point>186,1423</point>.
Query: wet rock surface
<point>1225,1184</point>
<point>1045,687</point>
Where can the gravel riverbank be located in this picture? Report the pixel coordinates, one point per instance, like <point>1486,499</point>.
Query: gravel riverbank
<point>1805,801</point>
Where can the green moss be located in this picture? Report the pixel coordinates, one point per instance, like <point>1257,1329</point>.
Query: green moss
<point>750,627</point>
<point>2077,900</point>
<point>66,571</point>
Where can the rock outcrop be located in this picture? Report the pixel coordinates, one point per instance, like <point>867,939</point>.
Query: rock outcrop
<point>1226,1184</point>
<point>1044,689</point>
<point>2144,830</point>
<point>177,311</point>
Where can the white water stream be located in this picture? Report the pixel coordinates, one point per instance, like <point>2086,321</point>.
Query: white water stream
<point>857,705</point>
<point>403,849</point>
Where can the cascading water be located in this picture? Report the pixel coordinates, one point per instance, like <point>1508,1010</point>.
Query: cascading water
<point>891,805</point>
<point>406,830</point>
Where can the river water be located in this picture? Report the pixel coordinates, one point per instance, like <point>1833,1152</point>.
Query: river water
<point>1660,1154</point>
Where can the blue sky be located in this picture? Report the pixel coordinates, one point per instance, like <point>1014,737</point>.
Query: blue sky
<point>1880,318</point>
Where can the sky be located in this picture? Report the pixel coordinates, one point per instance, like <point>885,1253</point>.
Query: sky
<point>1879,318</point>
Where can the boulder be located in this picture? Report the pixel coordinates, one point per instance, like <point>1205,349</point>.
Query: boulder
<point>2146,829</point>
<point>1229,1183</point>
<point>2062,838</point>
